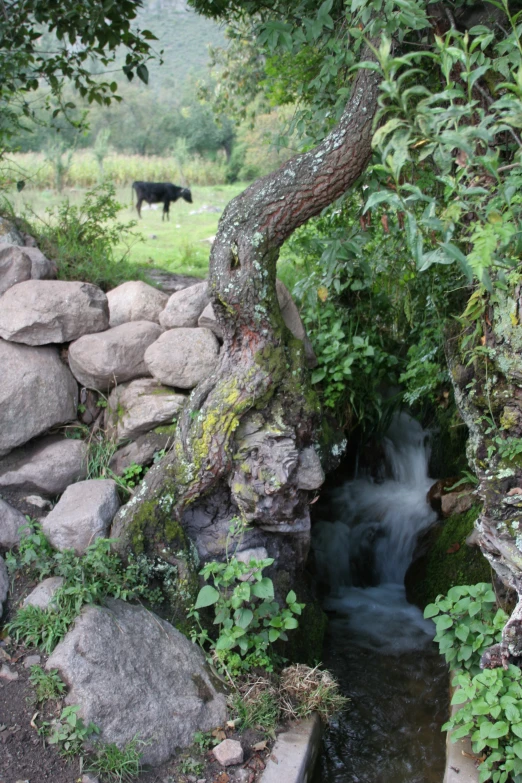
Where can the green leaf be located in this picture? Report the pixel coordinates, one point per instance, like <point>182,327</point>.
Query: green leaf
<point>264,588</point>
<point>143,73</point>
<point>244,617</point>
<point>444,622</point>
<point>431,610</point>
<point>291,597</point>
<point>499,729</point>
<point>207,596</point>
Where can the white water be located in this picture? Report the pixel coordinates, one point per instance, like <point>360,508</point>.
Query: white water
<point>363,552</point>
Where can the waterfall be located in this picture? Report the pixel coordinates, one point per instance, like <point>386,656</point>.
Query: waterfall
<point>363,550</point>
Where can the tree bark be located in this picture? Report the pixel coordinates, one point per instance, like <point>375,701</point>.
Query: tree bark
<point>247,426</point>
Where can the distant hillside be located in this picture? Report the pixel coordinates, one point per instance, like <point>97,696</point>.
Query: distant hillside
<point>184,36</point>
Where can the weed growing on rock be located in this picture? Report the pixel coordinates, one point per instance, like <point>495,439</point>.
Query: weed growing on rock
<point>47,685</point>
<point>118,765</point>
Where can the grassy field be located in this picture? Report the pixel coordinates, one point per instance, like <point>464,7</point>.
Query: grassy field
<point>178,245</point>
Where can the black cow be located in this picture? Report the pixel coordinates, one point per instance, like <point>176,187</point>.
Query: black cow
<point>159,192</point>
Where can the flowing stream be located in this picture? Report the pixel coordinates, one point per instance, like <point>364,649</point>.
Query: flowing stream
<point>379,646</point>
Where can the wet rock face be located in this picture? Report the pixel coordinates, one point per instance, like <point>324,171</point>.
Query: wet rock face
<point>134,674</point>
<point>39,312</point>
<point>37,392</point>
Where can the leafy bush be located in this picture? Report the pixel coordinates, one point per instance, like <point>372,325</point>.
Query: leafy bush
<point>68,732</point>
<point>467,623</point>
<point>249,620</point>
<point>82,240</point>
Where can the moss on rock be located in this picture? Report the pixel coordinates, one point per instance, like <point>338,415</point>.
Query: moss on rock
<point>445,565</point>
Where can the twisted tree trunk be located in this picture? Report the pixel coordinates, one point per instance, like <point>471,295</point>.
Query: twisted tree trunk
<point>247,431</point>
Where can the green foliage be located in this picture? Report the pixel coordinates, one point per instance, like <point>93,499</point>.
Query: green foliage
<point>490,701</point>
<point>88,579</point>
<point>68,732</point>
<point>119,765</point>
<point>34,551</point>
<point>447,564</point>
<point>133,474</point>
<point>249,620</point>
<point>491,713</point>
<point>467,623</point>
<point>262,713</point>
<point>82,240</point>
<point>47,685</point>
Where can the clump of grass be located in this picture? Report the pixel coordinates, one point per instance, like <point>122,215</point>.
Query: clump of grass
<point>304,690</point>
<point>47,685</point>
<point>256,704</point>
<point>119,765</point>
<point>39,628</point>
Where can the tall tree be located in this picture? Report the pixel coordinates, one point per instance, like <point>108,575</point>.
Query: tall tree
<point>443,81</point>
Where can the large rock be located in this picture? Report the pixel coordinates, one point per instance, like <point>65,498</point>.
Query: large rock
<point>15,266</point>
<point>100,361</point>
<point>208,320</point>
<point>184,307</point>
<point>11,521</point>
<point>135,301</point>
<point>45,466</point>
<point>4,583</point>
<point>41,267</point>
<point>38,312</point>
<point>37,392</point>
<point>183,357</point>
<point>456,502</point>
<point>83,513</point>
<point>310,474</point>
<point>141,451</point>
<point>133,674</point>
<point>138,407</point>
<point>9,234</point>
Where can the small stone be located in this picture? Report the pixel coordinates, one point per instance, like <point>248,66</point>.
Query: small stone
<point>7,674</point>
<point>89,779</point>
<point>228,753</point>
<point>31,660</point>
<point>36,500</point>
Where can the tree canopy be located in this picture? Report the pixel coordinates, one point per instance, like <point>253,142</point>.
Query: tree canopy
<point>48,43</point>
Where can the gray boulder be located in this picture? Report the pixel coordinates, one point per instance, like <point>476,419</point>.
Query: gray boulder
<point>140,406</point>
<point>38,312</point>
<point>37,392</point>
<point>135,301</point>
<point>207,320</point>
<point>45,466</point>
<point>4,583</point>
<point>133,674</point>
<point>140,451</point>
<point>9,234</point>
<point>83,513</point>
<point>15,266</point>
<point>11,521</point>
<point>100,361</point>
<point>41,267</point>
<point>185,306</point>
<point>43,593</point>
<point>183,357</point>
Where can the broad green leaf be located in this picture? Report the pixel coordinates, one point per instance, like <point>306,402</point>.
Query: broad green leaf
<point>207,596</point>
<point>263,588</point>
